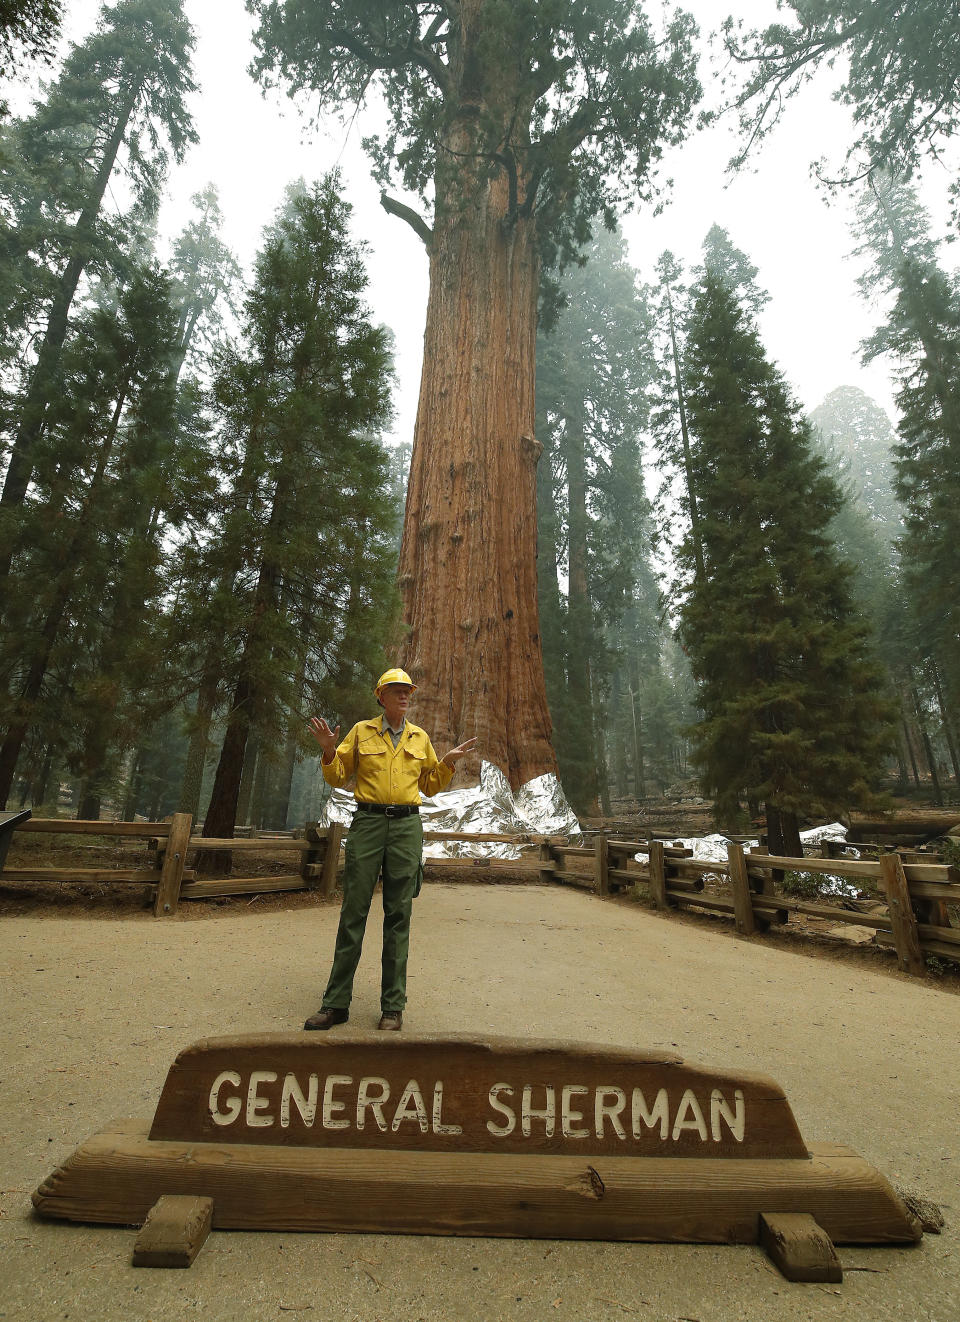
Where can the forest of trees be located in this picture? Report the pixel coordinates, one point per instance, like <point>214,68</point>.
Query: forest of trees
<point>653,566</point>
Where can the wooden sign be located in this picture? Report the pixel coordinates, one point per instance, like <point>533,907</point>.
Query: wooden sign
<point>443,1094</point>
<point>472,1136</point>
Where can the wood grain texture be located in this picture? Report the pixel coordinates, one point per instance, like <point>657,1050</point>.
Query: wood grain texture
<point>903,920</point>
<point>799,1247</point>
<point>167,898</point>
<point>740,886</point>
<point>119,1174</point>
<point>174,1232</point>
<point>459,1093</point>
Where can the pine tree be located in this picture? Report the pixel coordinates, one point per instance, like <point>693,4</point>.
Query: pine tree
<point>791,715</point>
<point>592,375</point>
<point>859,438</point>
<point>120,98</point>
<point>922,335</point>
<point>112,462</point>
<point>304,543</point>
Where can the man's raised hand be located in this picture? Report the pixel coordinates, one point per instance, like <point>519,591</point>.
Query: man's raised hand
<point>325,737</point>
<point>467,746</point>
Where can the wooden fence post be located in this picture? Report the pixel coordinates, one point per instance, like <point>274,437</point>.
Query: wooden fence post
<point>740,885</point>
<point>903,921</point>
<point>766,887</point>
<point>658,874</point>
<point>174,861</point>
<point>312,859</point>
<point>328,878</point>
<point>602,854</point>
<point>547,861</point>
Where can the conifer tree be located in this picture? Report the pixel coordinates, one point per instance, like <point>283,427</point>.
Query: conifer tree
<point>106,469</point>
<point>121,97</point>
<point>516,124</point>
<point>922,335</point>
<point>858,436</point>
<point>592,376</point>
<point>791,715</point>
<point>305,535</point>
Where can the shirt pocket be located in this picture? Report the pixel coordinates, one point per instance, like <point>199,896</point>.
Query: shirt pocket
<point>415,750</point>
<point>372,746</point>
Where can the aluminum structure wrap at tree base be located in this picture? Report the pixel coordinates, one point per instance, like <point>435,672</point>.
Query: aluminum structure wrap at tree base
<point>537,808</point>
<point>467,1135</point>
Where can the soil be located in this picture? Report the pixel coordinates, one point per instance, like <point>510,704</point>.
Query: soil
<point>100,999</point>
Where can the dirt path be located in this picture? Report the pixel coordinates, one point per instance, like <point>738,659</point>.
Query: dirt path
<point>97,1009</point>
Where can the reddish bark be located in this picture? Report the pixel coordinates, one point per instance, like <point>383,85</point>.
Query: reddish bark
<point>468,557</point>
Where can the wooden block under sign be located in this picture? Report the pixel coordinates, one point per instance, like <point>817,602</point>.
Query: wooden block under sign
<point>801,1248</point>
<point>174,1232</point>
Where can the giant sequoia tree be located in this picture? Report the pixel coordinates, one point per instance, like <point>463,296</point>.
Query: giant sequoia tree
<point>522,119</point>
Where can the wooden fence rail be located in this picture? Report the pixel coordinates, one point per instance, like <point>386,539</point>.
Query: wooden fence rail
<point>916,922</point>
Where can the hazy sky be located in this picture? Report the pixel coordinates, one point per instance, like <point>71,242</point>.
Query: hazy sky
<point>252,146</point>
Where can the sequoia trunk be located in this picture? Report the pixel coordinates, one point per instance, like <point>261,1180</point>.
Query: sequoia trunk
<point>468,558</point>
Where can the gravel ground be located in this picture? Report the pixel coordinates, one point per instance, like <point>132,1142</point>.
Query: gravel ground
<point>98,1008</point>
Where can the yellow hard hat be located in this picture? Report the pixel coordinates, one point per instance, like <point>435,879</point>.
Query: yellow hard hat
<point>393,676</point>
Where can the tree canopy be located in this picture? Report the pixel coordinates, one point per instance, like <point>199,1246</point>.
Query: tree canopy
<point>574,101</point>
<point>902,79</point>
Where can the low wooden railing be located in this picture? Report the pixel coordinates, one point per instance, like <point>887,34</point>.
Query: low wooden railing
<point>916,922</point>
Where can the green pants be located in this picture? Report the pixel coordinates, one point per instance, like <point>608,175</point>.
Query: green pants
<point>394,846</point>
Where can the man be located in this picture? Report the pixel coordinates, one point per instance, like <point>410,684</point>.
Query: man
<point>394,761</point>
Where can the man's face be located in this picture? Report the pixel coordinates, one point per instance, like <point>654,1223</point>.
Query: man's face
<point>396,700</point>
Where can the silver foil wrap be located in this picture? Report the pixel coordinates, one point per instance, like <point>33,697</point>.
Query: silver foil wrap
<point>713,849</point>
<point>490,808</point>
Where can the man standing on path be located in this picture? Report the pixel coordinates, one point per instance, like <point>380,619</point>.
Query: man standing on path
<point>394,761</point>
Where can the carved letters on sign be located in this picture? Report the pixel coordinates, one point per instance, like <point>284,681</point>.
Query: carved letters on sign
<point>261,1099</point>
<point>469,1095</point>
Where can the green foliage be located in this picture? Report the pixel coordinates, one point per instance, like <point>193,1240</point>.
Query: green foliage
<point>291,598</point>
<point>790,709</point>
<point>28,28</point>
<point>573,103</point>
<point>922,336</point>
<point>593,370</point>
<point>801,885</point>
<point>900,72</point>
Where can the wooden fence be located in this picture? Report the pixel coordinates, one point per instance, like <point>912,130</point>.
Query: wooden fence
<point>172,845</point>
<point>916,921</point>
<point>917,894</point>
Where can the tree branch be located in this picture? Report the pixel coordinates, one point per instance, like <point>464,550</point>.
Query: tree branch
<point>413,218</point>
<point>392,57</point>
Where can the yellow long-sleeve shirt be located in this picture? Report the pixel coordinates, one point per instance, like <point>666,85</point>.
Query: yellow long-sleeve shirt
<point>386,774</point>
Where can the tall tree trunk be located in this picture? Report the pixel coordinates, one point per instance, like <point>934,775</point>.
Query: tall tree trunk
<point>248,783</point>
<point>783,833</point>
<point>927,745</point>
<point>945,719</point>
<point>580,616</point>
<point>221,818</point>
<point>636,720</point>
<point>468,556</point>
<point>685,441</point>
<point>909,743</point>
<point>44,373</point>
<point>199,746</point>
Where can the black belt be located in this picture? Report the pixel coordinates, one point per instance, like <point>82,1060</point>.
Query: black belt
<point>388,809</point>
